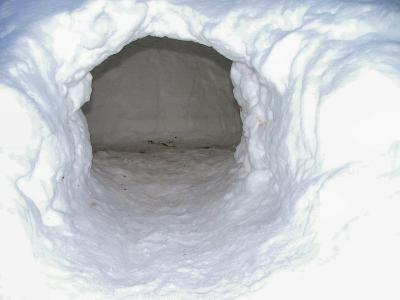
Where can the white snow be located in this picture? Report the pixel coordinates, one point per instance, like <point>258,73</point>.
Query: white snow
<point>307,208</point>
<point>165,91</point>
<point>162,209</point>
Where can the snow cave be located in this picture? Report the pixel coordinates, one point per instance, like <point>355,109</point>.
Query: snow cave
<point>180,149</point>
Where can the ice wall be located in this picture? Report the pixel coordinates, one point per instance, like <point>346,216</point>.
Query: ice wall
<point>317,200</point>
<point>165,91</point>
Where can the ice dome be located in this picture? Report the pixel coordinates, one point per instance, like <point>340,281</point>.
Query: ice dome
<point>306,207</point>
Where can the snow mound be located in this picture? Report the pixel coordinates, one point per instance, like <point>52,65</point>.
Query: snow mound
<point>309,203</point>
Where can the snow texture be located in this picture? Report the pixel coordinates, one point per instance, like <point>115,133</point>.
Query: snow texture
<point>308,207</point>
<point>163,91</point>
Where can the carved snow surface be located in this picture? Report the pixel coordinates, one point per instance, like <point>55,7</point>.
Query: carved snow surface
<point>306,208</point>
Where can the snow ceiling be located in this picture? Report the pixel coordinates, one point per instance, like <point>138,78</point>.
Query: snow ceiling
<point>310,209</point>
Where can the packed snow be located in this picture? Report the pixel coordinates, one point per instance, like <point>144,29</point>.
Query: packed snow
<point>161,209</point>
<point>306,207</point>
<point>163,91</point>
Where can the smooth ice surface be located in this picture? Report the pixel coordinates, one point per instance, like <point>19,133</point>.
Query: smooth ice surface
<point>308,208</point>
<point>164,91</point>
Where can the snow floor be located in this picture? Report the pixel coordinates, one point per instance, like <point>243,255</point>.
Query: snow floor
<point>159,211</point>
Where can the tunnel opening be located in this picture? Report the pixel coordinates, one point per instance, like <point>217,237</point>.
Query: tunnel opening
<point>163,166</point>
<point>167,177</point>
<point>164,125</point>
<point>87,218</point>
<point>215,234</point>
<point>266,216</point>
<point>158,93</point>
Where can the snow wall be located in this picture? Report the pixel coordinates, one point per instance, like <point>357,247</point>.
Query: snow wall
<point>166,91</point>
<point>314,212</point>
